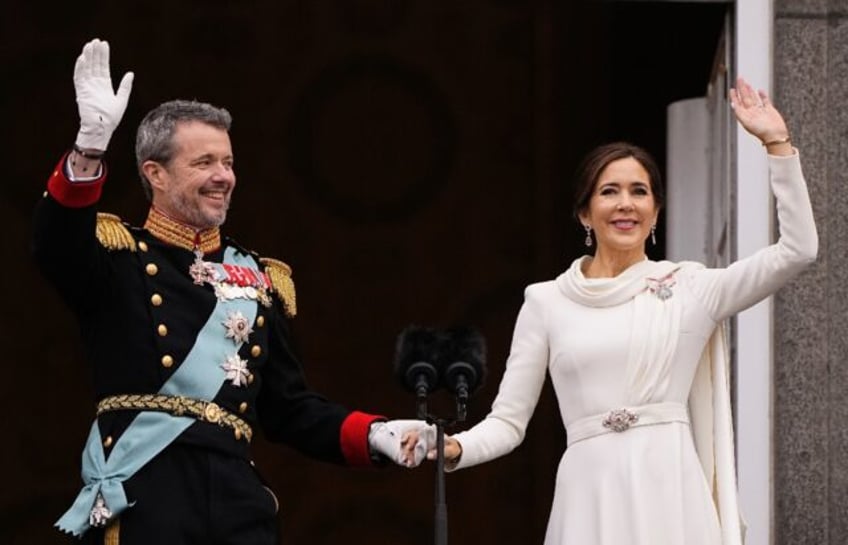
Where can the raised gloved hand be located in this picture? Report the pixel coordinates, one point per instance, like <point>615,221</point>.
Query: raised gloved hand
<point>405,442</point>
<point>100,108</point>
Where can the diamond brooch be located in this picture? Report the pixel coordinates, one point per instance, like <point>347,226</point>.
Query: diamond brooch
<point>620,419</point>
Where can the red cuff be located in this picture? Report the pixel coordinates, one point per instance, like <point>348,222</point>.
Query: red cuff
<point>74,194</point>
<point>353,437</point>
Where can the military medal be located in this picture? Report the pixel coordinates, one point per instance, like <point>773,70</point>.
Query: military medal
<point>202,271</point>
<point>236,369</point>
<point>231,281</point>
<point>238,328</point>
<point>100,514</point>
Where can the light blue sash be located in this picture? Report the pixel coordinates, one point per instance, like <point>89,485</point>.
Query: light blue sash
<point>200,376</point>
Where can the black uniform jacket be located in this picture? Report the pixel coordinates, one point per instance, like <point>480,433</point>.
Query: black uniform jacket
<point>140,311</point>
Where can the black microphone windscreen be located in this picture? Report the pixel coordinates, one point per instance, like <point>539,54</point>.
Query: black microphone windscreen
<point>415,344</point>
<point>465,345</point>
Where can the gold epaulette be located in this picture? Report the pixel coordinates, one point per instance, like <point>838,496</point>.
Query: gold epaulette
<point>281,281</point>
<point>113,234</point>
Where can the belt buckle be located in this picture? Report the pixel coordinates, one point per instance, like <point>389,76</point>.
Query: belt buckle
<point>212,413</point>
<point>619,420</point>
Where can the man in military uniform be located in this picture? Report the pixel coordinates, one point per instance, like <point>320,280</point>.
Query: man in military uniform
<point>187,335</point>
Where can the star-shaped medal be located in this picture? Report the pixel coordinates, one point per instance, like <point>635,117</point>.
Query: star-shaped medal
<point>236,369</point>
<point>238,328</point>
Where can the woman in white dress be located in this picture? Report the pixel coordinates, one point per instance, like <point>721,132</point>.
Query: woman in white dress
<point>635,349</point>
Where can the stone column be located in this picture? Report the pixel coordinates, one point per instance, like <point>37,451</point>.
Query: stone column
<point>811,315</point>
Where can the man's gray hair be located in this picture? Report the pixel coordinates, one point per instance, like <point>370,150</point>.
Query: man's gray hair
<point>154,140</point>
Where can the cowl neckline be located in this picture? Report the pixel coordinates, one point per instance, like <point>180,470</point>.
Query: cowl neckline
<point>605,292</point>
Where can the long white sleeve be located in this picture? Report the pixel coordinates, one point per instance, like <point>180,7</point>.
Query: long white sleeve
<point>503,428</point>
<point>747,281</point>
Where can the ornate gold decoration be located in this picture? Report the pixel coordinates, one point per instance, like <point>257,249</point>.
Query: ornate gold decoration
<point>113,234</point>
<point>282,283</point>
<point>180,234</point>
<point>177,406</point>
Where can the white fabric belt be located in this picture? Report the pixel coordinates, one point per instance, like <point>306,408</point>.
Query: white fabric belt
<point>619,420</point>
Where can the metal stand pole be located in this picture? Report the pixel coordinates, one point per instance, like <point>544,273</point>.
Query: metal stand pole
<point>441,532</point>
<point>441,522</point>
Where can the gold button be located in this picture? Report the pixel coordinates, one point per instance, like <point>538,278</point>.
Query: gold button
<point>45,193</point>
<point>255,350</point>
<point>212,413</point>
<point>142,246</point>
<point>162,330</point>
<point>250,378</point>
<point>156,299</point>
<point>151,269</point>
<point>237,433</point>
<point>108,441</point>
<point>243,407</point>
<point>167,361</point>
<point>260,321</point>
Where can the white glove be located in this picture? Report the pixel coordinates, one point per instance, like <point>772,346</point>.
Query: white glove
<point>100,108</point>
<point>405,442</point>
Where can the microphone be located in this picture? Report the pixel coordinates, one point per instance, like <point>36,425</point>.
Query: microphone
<point>464,363</point>
<point>416,358</point>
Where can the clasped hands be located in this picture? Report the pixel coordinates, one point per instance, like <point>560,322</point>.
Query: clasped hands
<point>410,442</point>
<point>404,442</point>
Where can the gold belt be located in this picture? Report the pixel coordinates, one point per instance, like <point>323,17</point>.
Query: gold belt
<point>178,406</point>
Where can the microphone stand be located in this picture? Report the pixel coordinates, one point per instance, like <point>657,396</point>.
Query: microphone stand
<point>441,513</point>
<point>441,530</point>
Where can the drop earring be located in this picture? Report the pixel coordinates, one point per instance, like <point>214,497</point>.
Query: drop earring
<point>588,241</point>
<point>654,234</point>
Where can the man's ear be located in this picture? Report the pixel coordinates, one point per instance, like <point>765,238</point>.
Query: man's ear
<point>155,174</point>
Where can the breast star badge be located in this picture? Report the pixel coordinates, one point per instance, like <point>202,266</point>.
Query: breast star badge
<point>238,328</point>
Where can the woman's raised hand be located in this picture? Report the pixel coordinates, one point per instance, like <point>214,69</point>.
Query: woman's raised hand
<point>757,114</point>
